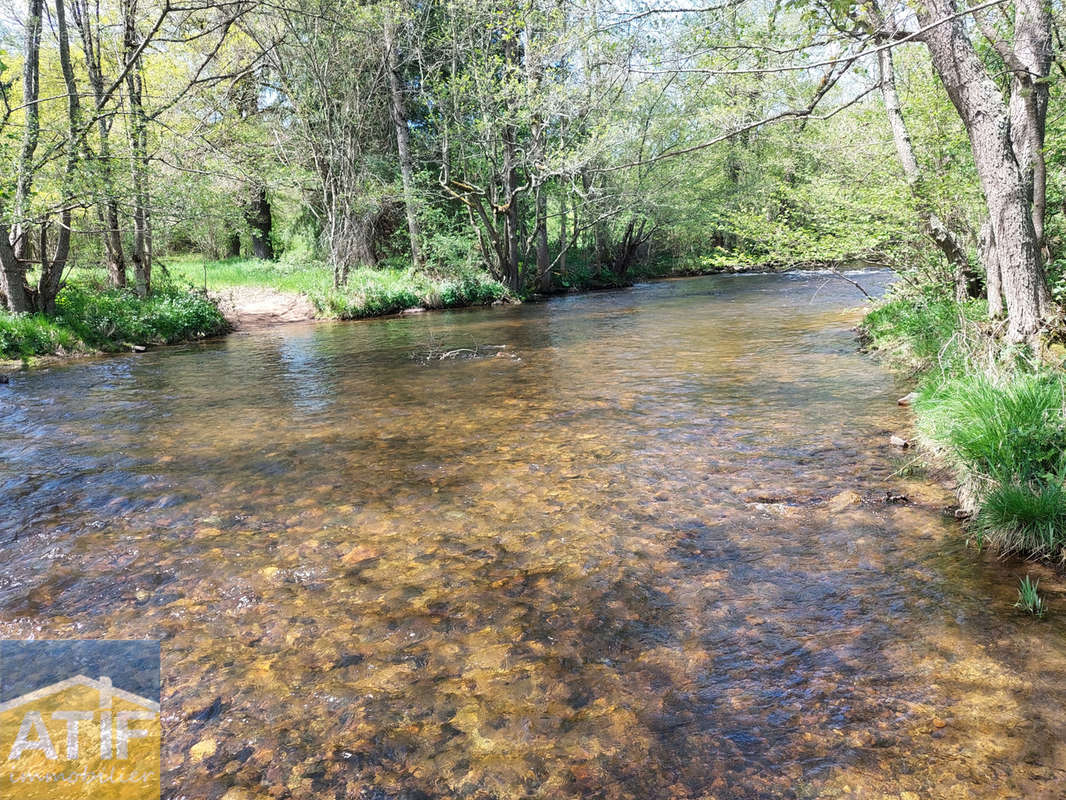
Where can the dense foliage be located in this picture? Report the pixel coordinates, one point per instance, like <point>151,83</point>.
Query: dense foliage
<point>549,146</point>
<point>88,318</point>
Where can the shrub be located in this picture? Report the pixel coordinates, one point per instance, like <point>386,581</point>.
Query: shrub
<point>110,319</point>
<point>376,292</point>
<point>114,318</point>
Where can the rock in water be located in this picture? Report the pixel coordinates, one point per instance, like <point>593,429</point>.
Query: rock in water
<point>897,441</point>
<point>844,500</point>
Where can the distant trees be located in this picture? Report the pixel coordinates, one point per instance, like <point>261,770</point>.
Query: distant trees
<point>67,178</point>
<point>545,142</point>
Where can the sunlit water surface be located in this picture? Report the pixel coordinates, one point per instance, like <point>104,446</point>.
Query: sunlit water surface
<point>606,563</point>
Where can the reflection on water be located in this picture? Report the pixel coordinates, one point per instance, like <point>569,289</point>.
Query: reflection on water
<point>602,565</point>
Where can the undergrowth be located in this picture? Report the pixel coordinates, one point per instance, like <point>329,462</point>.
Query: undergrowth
<point>992,413</point>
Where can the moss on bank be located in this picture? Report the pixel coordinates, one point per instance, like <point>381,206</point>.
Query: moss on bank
<point>89,319</point>
<point>994,416</point>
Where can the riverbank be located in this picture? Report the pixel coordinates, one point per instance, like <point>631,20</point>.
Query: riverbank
<point>991,415</point>
<point>90,319</point>
<point>196,299</point>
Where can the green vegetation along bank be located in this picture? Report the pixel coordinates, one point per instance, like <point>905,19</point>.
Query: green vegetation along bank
<point>91,319</point>
<point>184,305</point>
<point>993,414</point>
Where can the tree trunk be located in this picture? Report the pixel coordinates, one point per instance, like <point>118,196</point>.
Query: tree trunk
<point>509,250</point>
<point>138,135</point>
<point>19,298</point>
<point>107,208</point>
<point>13,275</point>
<point>986,118</point>
<point>540,236</point>
<point>233,245</point>
<point>51,279</point>
<point>563,243</point>
<point>932,225</point>
<point>403,144</point>
<point>1030,64</point>
<point>260,219</point>
<point>990,260</point>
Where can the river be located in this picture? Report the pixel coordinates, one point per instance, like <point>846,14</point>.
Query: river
<point>599,549</point>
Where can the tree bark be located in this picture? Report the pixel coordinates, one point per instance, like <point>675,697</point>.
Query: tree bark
<point>233,245</point>
<point>987,120</point>
<point>19,298</point>
<point>51,278</point>
<point>990,260</point>
<point>540,239</point>
<point>138,135</point>
<point>403,143</point>
<point>563,244</point>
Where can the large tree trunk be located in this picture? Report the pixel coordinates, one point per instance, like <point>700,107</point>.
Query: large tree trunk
<point>987,120</point>
<point>1030,63</point>
<point>12,274</point>
<point>946,241</point>
<point>993,282</point>
<point>51,278</point>
<point>261,221</point>
<point>403,143</point>
<point>19,298</point>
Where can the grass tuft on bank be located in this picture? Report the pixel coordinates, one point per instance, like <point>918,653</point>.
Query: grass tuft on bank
<point>377,292</point>
<point>89,318</point>
<point>994,416</point>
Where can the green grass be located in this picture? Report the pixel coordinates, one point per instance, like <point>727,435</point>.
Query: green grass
<point>89,318</point>
<point>375,292</point>
<point>368,293</point>
<point>304,276</point>
<point>28,335</point>
<point>921,332</point>
<point>1029,599</point>
<point>1024,518</point>
<point>1004,435</point>
<point>989,414</point>
<point>1002,428</point>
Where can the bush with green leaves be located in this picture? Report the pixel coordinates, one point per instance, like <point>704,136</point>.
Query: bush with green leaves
<point>87,318</point>
<point>115,318</point>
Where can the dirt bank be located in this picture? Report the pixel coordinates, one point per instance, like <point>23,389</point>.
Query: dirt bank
<point>254,307</point>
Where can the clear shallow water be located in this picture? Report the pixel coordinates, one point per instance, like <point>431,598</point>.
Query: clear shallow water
<point>605,564</point>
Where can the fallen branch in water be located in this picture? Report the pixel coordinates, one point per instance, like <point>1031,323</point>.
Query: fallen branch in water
<point>462,352</point>
<point>856,284</point>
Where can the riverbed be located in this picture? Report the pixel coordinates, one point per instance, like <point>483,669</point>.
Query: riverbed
<point>649,543</point>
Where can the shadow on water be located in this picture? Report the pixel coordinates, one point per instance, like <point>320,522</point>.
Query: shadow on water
<point>607,563</point>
